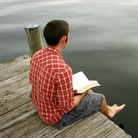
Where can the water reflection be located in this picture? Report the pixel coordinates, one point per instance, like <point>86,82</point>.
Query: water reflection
<point>103,43</point>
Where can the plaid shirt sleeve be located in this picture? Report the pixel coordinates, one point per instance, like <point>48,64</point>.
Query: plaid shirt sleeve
<point>65,90</point>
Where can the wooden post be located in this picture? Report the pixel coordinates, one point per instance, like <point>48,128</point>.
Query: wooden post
<point>34,37</point>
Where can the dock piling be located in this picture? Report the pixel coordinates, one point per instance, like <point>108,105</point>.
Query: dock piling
<point>34,37</point>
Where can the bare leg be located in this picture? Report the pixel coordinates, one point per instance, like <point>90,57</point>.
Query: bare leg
<point>110,111</point>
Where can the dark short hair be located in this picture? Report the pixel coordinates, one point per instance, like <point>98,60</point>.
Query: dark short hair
<point>54,31</point>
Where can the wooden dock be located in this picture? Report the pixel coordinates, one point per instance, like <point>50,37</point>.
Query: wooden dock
<point>19,119</point>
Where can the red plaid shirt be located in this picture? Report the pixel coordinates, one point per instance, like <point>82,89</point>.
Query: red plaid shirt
<point>51,80</point>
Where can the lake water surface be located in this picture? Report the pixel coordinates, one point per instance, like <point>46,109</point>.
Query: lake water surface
<point>103,44</point>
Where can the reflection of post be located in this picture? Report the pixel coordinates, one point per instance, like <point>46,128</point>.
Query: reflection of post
<point>34,37</point>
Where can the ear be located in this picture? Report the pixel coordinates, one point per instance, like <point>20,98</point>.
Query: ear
<point>63,39</point>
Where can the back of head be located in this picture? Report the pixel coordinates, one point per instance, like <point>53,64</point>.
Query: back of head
<point>54,31</point>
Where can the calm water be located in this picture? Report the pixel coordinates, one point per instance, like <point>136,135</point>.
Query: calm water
<point>103,43</point>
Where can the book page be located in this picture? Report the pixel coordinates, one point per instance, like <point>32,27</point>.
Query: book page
<point>81,82</point>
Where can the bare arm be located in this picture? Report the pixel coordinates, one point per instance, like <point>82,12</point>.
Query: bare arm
<point>78,98</point>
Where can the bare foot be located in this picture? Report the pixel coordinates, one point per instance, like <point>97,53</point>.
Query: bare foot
<point>113,110</point>
<point>115,105</point>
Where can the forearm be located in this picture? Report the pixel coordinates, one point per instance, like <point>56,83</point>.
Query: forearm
<point>78,98</point>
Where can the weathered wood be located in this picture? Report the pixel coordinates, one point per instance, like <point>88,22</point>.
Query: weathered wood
<point>14,83</point>
<point>10,99</point>
<point>7,129</point>
<point>15,69</point>
<point>34,37</point>
<point>13,62</point>
<point>14,103</point>
<point>17,112</point>
<point>18,117</point>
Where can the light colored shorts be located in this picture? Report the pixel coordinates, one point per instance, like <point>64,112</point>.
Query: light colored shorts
<point>90,104</point>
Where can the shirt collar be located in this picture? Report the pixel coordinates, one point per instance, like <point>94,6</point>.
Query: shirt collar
<point>55,51</point>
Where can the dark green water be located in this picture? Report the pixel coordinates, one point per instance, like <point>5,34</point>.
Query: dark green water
<point>103,44</point>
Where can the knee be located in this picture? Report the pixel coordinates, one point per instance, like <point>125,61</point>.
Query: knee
<point>90,91</point>
<point>103,97</point>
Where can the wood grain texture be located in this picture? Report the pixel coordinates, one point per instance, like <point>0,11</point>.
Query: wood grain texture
<point>19,119</point>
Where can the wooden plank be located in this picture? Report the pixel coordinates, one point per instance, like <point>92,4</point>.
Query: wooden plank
<point>117,133</point>
<point>81,129</point>
<point>90,124</point>
<point>96,129</point>
<point>17,112</point>
<point>31,124</point>
<point>69,131</point>
<point>102,130</point>
<point>12,62</point>
<point>23,121</point>
<point>15,103</point>
<point>18,117</point>
<point>11,95</point>
<point>17,123</point>
<point>14,70</point>
<point>12,84</point>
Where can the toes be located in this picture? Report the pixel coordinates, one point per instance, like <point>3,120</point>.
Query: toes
<point>115,105</point>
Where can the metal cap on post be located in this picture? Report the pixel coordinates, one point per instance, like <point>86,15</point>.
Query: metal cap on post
<point>34,37</point>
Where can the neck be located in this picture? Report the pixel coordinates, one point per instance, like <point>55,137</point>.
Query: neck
<point>58,47</point>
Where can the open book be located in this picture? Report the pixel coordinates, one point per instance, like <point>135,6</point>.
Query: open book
<point>81,82</point>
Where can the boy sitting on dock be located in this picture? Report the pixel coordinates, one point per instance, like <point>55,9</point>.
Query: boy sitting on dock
<point>51,79</point>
